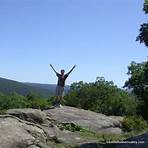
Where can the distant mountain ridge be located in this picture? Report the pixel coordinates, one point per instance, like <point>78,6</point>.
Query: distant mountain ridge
<point>50,87</point>
<point>8,86</point>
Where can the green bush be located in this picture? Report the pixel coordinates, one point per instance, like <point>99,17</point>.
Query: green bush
<point>34,101</point>
<point>2,112</point>
<point>134,123</point>
<point>101,96</point>
<point>39,104</point>
<point>15,100</point>
<point>12,101</point>
<point>70,127</point>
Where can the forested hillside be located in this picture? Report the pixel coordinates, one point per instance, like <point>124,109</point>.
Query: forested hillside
<point>9,86</point>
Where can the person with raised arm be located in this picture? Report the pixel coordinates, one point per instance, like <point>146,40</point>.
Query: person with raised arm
<point>60,84</point>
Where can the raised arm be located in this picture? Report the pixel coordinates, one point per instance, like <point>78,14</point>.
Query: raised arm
<point>53,69</point>
<point>71,70</point>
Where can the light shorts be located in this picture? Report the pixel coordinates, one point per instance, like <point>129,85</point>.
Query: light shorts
<point>59,91</point>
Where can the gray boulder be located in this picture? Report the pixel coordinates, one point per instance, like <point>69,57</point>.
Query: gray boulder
<point>29,114</point>
<point>15,133</point>
<point>90,120</point>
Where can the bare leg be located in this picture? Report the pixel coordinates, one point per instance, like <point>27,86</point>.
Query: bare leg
<point>61,99</point>
<point>56,101</point>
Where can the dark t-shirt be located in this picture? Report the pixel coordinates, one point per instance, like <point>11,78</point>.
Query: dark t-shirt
<point>61,79</point>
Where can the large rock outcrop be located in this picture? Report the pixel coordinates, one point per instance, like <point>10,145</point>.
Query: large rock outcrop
<point>93,121</point>
<point>32,128</point>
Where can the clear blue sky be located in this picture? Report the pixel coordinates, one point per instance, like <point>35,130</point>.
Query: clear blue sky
<point>96,35</point>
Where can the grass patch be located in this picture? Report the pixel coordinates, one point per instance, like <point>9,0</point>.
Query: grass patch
<point>88,134</point>
<point>99,137</point>
<point>2,112</point>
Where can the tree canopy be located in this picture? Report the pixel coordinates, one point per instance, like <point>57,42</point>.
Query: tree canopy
<point>101,96</point>
<point>143,35</point>
<point>138,83</point>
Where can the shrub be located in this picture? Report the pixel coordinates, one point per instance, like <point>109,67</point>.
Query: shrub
<point>15,100</point>
<point>12,101</point>
<point>69,126</point>
<point>101,96</point>
<point>134,123</point>
<point>39,104</point>
<point>35,101</point>
<point>2,112</point>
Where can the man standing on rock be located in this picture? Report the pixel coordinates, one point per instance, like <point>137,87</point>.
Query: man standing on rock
<point>61,84</point>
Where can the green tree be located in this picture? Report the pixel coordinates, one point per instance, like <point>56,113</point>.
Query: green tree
<point>13,100</point>
<point>101,96</point>
<point>145,6</point>
<point>143,35</point>
<point>138,83</point>
<point>36,101</point>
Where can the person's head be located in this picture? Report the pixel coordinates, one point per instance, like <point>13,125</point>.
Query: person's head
<point>62,71</point>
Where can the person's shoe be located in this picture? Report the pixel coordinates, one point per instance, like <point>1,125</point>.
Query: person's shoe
<point>56,105</point>
<point>60,105</point>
